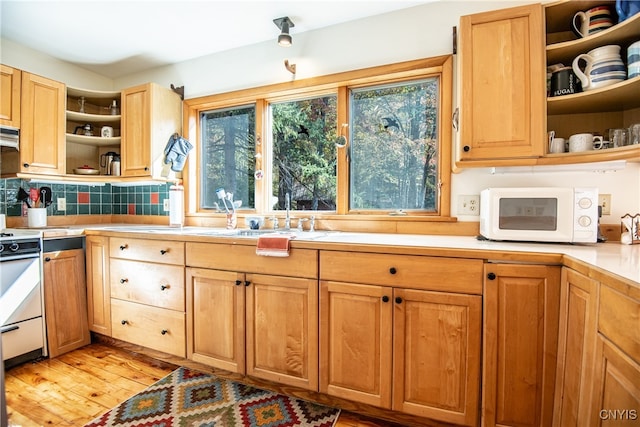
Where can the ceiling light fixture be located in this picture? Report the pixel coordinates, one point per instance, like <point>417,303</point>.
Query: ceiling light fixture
<point>284,23</point>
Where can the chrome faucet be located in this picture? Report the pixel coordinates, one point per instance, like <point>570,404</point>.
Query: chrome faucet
<point>287,206</point>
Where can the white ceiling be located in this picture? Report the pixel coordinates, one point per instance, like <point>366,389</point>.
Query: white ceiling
<point>121,37</point>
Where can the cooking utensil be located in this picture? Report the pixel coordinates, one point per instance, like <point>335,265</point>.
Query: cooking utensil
<point>35,197</point>
<point>23,196</point>
<point>45,196</point>
<point>86,170</point>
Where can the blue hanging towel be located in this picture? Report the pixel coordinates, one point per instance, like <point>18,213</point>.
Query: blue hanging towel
<point>176,152</point>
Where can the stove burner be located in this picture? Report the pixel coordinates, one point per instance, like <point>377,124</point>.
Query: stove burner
<point>6,234</point>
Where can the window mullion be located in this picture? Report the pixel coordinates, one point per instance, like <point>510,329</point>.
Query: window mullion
<point>342,192</point>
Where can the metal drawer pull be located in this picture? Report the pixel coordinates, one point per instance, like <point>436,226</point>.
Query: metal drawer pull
<point>398,300</point>
<point>247,283</point>
<point>10,328</point>
<point>491,276</point>
<point>238,282</point>
<point>163,287</point>
<point>124,280</point>
<point>393,270</point>
<point>164,251</point>
<point>385,299</point>
<point>47,259</point>
<point>125,322</point>
<point>123,247</point>
<point>164,332</point>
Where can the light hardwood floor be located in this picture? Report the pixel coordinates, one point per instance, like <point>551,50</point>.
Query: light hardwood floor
<point>76,387</point>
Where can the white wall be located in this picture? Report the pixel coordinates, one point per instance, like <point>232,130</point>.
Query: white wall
<point>413,33</point>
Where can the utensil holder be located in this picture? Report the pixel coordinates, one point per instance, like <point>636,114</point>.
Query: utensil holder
<point>37,217</point>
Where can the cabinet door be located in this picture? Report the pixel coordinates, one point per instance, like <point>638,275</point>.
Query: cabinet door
<point>520,342</point>
<point>436,355</point>
<point>355,342</point>
<point>616,393</point>
<point>65,299</point>
<point>98,289</point>
<point>215,318</point>
<point>576,346</point>
<point>42,129</point>
<point>282,330</point>
<point>503,84</point>
<point>136,124</point>
<point>10,86</point>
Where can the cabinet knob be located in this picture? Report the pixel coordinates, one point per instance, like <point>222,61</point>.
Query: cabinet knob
<point>491,276</point>
<point>47,259</point>
<point>164,332</point>
<point>247,283</point>
<point>164,251</point>
<point>466,148</point>
<point>124,281</point>
<point>163,287</point>
<point>123,247</point>
<point>385,299</point>
<point>238,282</point>
<point>146,168</point>
<point>398,300</point>
<point>393,270</point>
<point>125,322</point>
<point>25,165</point>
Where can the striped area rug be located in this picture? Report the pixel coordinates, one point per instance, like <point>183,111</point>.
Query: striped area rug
<point>190,398</point>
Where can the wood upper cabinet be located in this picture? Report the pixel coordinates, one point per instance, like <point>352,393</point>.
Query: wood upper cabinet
<point>150,115</point>
<point>10,88</point>
<point>576,347</point>
<point>520,341</point>
<point>65,299</point>
<point>98,289</point>
<point>503,84</point>
<point>411,350</point>
<point>42,125</point>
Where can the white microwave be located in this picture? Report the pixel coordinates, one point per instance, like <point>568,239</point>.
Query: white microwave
<point>537,214</point>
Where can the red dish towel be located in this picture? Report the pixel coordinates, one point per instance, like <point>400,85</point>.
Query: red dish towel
<point>273,245</point>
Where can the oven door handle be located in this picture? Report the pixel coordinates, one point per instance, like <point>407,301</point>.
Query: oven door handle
<point>10,328</point>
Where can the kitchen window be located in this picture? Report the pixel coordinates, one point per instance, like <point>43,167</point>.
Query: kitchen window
<point>369,144</point>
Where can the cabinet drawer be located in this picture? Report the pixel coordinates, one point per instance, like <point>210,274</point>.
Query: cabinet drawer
<point>406,271</point>
<point>147,250</point>
<point>159,285</point>
<point>618,320</point>
<point>152,327</point>
<point>299,263</point>
<point>28,336</point>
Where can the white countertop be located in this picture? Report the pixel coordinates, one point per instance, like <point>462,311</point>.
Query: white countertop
<point>615,258</point>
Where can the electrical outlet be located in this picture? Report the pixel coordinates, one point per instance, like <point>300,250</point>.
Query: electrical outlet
<point>604,200</point>
<point>62,204</point>
<point>469,205</point>
<point>165,205</point>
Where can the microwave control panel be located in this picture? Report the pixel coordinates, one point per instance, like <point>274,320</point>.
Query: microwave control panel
<point>585,214</point>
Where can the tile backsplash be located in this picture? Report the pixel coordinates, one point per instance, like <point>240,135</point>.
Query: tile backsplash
<point>83,199</point>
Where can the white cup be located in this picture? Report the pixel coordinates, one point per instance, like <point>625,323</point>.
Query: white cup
<point>37,217</point>
<point>557,145</point>
<point>585,142</point>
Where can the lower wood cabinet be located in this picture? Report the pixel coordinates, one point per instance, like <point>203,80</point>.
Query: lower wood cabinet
<point>520,341</point>
<point>65,299</point>
<point>259,325</point>
<point>576,347</point>
<point>98,290</point>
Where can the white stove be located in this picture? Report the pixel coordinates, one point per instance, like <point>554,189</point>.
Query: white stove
<point>21,296</point>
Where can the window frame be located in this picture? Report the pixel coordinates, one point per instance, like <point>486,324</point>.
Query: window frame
<point>340,84</point>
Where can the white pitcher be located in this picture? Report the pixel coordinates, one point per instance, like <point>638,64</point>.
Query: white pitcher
<point>603,67</point>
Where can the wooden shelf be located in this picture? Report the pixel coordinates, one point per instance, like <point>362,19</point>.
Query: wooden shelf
<point>622,34</point>
<point>95,141</point>
<point>617,97</point>
<point>93,118</point>
<point>93,94</point>
<point>630,153</point>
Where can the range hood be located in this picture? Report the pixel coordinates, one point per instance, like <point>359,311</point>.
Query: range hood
<point>9,137</point>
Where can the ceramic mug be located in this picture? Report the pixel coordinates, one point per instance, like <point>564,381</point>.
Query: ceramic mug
<point>585,142</point>
<point>603,67</point>
<point>564,82</point>
<point>591,21</point>
<point>557,145</point>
